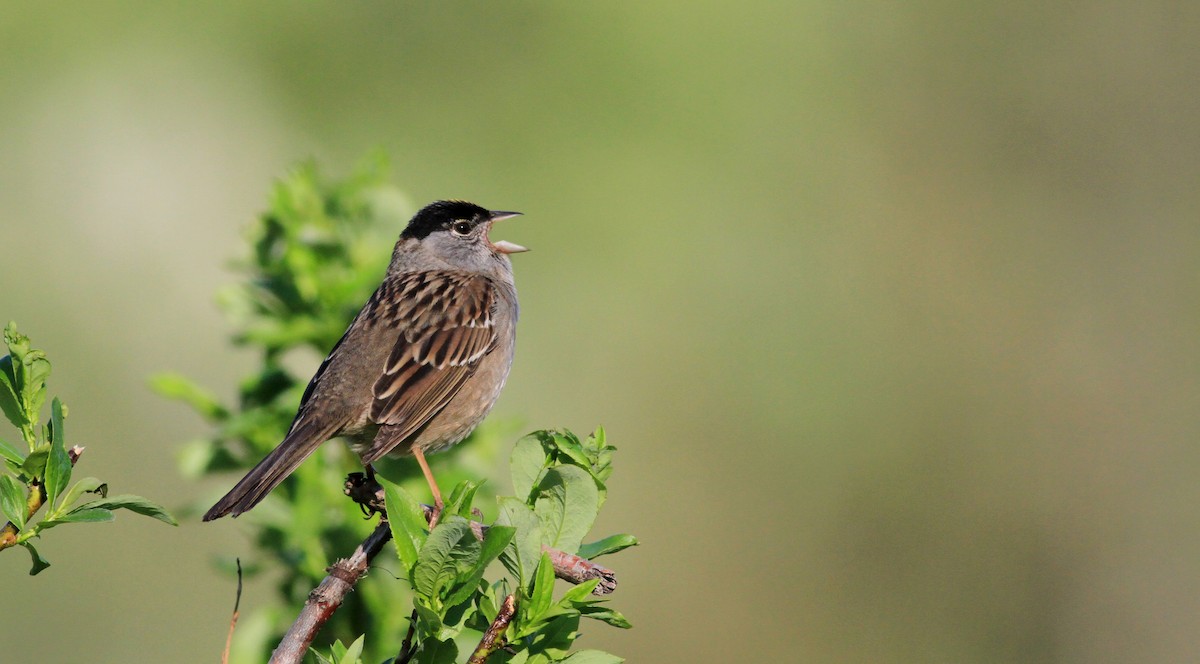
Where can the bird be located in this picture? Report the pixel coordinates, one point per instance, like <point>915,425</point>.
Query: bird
<point>421,364</point>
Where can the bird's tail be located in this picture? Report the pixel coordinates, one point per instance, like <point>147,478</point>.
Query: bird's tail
<point>300,442</point>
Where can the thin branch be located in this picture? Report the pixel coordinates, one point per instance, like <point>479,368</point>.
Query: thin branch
<point>328,596</point>
<point>493,637</point>
<point>37,496</point>
<point>406,649</point>
<point>567,566</point>
<point>237,602</point>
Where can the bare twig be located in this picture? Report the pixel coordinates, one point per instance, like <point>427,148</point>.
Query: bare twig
<point>328,596</point>
<point>37,496</point>
<point>567,566</point>
<point>237,602</point>
<point>493,637</point>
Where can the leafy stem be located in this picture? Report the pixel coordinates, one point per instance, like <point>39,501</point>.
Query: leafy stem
<point>41,477</point>
<point>37,496</point>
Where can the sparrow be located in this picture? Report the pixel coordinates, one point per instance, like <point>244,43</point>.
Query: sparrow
<point>420,365</point>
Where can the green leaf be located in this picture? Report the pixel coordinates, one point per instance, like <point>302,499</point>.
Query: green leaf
<point>180,388</point>
<point>353,654</point>
<point>567,444</point>
<point>597,441</point>
<point>8,393</point>
<point>597,447</point>
<point>593,657</point>
<point>600,452</point>
<point>554,612</point>
<point>18,344</point>
<point>462,497</point>
<point>34,373</point>
<point>83,515</point>
<point>526,465</point>
<point>523,553</point>
<point>454,621</point>
<point>85,485</point>
<point>504,657</point>
<point>407,520</point>
<point>35,463</point>
<point>554,638</point>
<point>11,454</point>
<point>486,603</point>
<point>58,465</point>
<point>494,542</point>
<point>321,659</point>
<point>605,614</point>
<point>434,651</point>
<point>12,502</point>
<point>541,596</point>
<point>579,593</point>
<point>58,413</point>
<point>610,544</point>
<point>131,503</point>
<point>428,620</point>
<point>567,504</point>
<point>439,561</point>
<point>39,563</point>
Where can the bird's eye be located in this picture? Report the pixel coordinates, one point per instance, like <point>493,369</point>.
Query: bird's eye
<point>461,228</point>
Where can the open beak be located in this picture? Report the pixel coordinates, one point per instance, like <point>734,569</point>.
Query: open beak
<point>504,246</point>
<point>500,215</point>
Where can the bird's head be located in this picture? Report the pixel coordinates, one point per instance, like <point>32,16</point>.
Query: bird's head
<point>457,232</point>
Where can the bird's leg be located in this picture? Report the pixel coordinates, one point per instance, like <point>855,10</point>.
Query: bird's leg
<point>437,495</point>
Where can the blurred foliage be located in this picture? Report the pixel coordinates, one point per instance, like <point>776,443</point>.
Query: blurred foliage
<point>316,255</point>
<point>40,477</point>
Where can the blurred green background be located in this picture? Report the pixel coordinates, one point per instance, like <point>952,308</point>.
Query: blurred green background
<point>892,308</point>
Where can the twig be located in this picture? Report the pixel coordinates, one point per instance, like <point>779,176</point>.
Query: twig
<point>406,649</point>
<point>328,596</point>
<point>237,602</point>
<point>37,496</point>
<point>493,637</point>
<point>567,566</point>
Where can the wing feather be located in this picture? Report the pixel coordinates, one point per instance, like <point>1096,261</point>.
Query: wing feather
<point>445,327</point>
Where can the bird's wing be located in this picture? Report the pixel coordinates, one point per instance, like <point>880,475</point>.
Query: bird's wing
<point>446,325</point>
<point>302,413</point>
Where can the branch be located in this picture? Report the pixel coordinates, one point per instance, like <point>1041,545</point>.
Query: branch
<point>237,603</point>
<point>495,632</point>
<point>567,566</point>
<point>37,496</point>
<point>406,646</point>
<point>328,596</point>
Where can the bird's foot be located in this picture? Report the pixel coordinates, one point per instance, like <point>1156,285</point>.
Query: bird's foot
<point>366,493</point>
